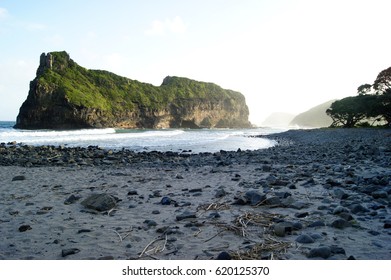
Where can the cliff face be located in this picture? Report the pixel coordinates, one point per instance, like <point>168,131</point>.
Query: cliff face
<point>65,95</point>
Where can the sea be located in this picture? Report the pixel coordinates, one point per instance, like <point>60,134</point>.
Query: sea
<point>139,140</point>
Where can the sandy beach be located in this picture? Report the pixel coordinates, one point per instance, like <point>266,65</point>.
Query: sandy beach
<point>318,194</point>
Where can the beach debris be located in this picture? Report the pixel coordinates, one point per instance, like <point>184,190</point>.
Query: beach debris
<point>100,202</point>
<point>269,248</point>
<point>158,248</point>
<point>213,207</point>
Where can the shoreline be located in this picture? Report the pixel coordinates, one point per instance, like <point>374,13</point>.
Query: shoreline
<point>318,194</point>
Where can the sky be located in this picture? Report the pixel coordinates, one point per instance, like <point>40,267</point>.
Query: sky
<point>282,55</point>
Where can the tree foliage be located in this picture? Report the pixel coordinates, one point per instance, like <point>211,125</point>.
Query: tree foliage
<point>351,111</point>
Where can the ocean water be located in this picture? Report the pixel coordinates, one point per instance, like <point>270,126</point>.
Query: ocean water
<point>176,140</point>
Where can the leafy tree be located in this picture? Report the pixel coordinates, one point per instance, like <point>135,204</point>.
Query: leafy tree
<point>364,89</point>
<point>383,106</point>
<point>349,111</point>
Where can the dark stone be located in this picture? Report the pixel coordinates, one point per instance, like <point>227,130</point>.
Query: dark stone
<point>317,224</point>
<point>186,215</point>
<point>283,195</point>
<point>99,202</point>
<point>301,215</point>
<point>358,208</point>
<point>273,201</point>
<point>25,228</point>
<point>195,190</point>
<point>156,212</point>
<point>337,250</point>
<point>305,239</point>
<point>283,228</point>
<point>387,224</point>
<point>340,223</point>
<point>150,223</point>
<point>19,178</point>
<point>373,232</point>
<point>71,199</point>
<point>224,256</point>
<point>214,215</point>
<point>323,252</point>
<point>254,197</point>
<point>106,258</point>
<point>133,192</point>
<point>241,201</point>
<point>340,209</point>
<point>220,193</point>
<point>379,194</point>
<point>83,231</point>
<point>297,226</point>
<point>166,200</point>
<point>67,252</point>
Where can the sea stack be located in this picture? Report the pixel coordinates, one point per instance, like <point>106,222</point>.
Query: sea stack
<point>64,95</point>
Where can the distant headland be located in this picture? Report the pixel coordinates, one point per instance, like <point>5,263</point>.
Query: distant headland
<point>64,95</point>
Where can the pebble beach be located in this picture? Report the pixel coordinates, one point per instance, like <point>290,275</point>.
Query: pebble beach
<point>317,194</point>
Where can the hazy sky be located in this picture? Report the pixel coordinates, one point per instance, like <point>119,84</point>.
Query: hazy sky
<point>284,56</point>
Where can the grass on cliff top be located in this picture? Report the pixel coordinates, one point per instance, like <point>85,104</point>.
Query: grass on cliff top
<point>109,92</point>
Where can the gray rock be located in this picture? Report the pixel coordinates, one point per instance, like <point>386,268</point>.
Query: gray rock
<point>186,215</point>
<point>71,199</point>
<point>132,192</point>
<point>274,200</point>
<point>67,252</point>
<point>379,194</point>
<point>224,256</point>
<point>241,200</point>
<point>337,250</point>
<point>340,223</point>
<point>24,228</point>
<point>254,197</point>
<point>340,209</point>
<point>323,252</point>
<point>19,178</point>
<point>220,193</point>
<point>150,223</point>
<point>304,239</point>
<point>358,208</point>
<point>283,228</point>
<point>317,224</point>
<point>100,202</point>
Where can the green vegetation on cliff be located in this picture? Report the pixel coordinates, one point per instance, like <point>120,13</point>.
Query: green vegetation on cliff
<point>65,95</point>
<point>108,92</point>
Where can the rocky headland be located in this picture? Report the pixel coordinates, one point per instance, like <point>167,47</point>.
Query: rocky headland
<point>64,95</point>
<point>318,194</point>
